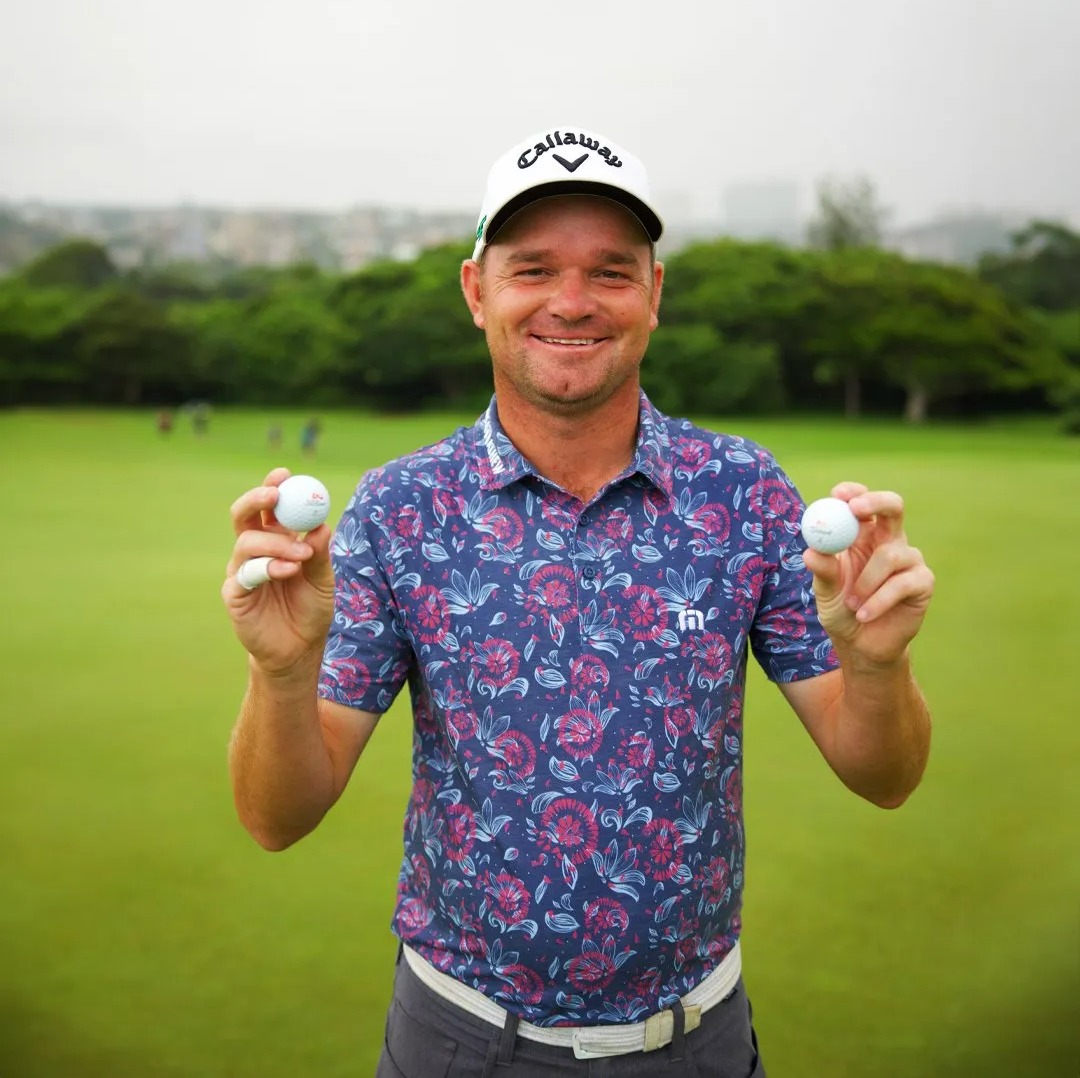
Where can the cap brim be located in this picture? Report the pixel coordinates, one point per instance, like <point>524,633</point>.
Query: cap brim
<point>649,220</point>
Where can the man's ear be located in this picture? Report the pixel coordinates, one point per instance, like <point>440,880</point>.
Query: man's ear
<point>471,271</point>
<point>658,287</point>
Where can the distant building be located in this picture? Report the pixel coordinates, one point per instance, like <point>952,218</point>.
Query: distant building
<point>957,238</point>
<point>763,210</point>
<point>189,240</point>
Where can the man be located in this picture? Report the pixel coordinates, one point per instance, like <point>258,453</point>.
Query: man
<point>570,588</point>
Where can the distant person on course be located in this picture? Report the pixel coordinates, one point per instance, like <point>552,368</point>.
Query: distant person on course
<point>571,589</point>
<point>200,417</point>
<point>309,437</point>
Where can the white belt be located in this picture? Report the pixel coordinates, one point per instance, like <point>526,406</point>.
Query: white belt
<point>589,1042</point>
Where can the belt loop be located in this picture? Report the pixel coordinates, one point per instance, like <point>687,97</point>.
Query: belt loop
<point>678,1034</point>
<point>507,1040</point>
<point>500,1051</point>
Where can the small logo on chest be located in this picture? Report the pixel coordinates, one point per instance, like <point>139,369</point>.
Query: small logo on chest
<point>691,620</point>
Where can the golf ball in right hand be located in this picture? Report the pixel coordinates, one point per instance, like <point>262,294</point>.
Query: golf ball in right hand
<point>829,526</point>
<point>303,503</point>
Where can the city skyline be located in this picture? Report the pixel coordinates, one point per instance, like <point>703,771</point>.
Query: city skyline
<point>348,240</point>
<point>716,208</point>
<point>949,105</point>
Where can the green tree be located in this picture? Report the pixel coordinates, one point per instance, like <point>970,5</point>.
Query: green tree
<point>755,297</point>
<point>179,282</point>
<point>76,263</point>
<point>849,217</point>
<point>412,339</point>
<point>1063,328</point>
<point>130,351</point>
<point>38,333</point>
<point>691,369</point>
<point>217,330</point>
<point>935,331</point>
<point>285,345</point>
<point>842,335</point>
<point>1066,398</point>
<point>21,241</point>
<point>1041,270</point>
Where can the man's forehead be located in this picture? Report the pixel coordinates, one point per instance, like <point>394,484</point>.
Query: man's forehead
<point>556,211</point>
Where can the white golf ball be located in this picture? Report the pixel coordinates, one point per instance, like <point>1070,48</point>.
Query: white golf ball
<point>303,503</point>
<point>829,526</point>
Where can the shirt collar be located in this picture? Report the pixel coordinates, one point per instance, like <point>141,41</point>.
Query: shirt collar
<point>497,459</point>
<point>499,463</point>
<point>653,456</point>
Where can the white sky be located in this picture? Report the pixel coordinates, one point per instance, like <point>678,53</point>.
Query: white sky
<point>325,104</point>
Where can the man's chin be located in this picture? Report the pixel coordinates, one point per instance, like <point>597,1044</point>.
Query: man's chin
<point>570,393</point>
<point>571,400</point>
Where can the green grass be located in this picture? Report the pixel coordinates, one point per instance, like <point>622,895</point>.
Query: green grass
<point>143,933</point>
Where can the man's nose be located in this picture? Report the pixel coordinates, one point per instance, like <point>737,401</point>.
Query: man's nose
<point>571,299</point>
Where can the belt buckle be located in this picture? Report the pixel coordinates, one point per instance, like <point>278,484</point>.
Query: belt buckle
<point>583,1051</point>
<point>657,1031</point>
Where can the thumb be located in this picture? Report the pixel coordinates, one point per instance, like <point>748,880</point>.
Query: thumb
<point>828,573</point>
<point>318,567</point>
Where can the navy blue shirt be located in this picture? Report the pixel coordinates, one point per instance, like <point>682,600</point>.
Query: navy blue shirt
<point>573,846</point>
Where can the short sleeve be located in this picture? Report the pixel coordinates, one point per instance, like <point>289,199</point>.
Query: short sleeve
<point>367,659</point>
<point>787,638</point>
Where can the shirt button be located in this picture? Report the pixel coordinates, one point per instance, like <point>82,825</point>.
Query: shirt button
<point>589,572</point>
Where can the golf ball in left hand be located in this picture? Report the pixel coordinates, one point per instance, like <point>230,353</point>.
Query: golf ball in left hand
<point>829,526</point>
<point>303,503</point>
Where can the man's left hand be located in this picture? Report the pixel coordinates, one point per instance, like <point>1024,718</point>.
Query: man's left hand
<point>872,597</point>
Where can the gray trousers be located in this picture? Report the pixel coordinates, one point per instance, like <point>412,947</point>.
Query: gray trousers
<point>429,1037</point>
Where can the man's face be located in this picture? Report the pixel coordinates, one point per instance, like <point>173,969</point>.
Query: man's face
<point>567,296</point>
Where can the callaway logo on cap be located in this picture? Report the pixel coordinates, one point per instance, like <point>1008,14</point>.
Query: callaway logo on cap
<point>564,161</point>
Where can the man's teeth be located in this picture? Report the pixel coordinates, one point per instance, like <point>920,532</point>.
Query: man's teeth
<point>570,340</point>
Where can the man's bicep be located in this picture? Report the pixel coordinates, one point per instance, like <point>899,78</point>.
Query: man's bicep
<point>814,700</point>
<point>346,732</point>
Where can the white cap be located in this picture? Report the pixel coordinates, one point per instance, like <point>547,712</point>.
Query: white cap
<point>564,161</point>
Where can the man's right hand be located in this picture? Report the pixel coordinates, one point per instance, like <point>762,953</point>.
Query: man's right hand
<point>283,622</point>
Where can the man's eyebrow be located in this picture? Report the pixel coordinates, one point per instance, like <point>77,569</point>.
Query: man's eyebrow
<point>617,258</point>
<point>528,256</point>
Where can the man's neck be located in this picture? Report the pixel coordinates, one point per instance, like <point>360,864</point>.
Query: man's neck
<point>581,453</point>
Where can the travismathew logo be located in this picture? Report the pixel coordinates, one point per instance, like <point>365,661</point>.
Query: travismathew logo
<point>567,138</point>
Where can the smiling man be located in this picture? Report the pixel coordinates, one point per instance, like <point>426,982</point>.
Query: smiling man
<point>567,296</point>
<point>571,588</point>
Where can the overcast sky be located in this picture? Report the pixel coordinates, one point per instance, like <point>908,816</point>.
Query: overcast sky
<point>325,104</point>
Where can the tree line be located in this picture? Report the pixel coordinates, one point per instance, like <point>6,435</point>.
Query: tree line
<point>745,327</point>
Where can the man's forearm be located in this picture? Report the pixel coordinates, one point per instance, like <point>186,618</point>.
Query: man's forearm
<point>880,732</point>
<point>282,773</point>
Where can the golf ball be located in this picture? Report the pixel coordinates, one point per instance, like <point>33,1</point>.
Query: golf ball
<point>829,526</point>
<point>303,503</point>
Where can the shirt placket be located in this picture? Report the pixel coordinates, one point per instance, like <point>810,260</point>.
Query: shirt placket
<point>588,572</point>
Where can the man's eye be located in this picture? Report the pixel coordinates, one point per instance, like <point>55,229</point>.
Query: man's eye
<point>612,275</point>
<point>532,271</point>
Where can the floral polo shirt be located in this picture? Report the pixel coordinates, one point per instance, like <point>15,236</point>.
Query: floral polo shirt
<point>573,845</point>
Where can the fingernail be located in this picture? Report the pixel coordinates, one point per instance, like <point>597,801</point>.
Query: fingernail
<point>301,550</point>
<point>852,602</point>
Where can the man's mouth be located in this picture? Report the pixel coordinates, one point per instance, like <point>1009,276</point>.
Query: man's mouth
<point>573,342</point>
